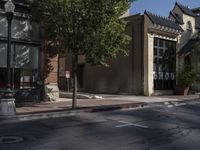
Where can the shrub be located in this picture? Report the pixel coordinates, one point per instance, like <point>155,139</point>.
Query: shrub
<point>186,76</point>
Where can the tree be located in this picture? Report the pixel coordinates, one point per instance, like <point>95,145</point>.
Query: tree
<point>88,27</point>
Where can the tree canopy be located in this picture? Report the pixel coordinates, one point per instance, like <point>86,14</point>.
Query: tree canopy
<point>92,28</point>
<point>89,27</point>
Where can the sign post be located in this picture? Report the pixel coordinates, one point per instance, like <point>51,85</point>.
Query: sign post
<point>67,75</point>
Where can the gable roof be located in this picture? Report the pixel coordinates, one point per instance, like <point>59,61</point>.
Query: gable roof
<point>185,9</point>
<point>187,48</point>
<point>163,21</point>
<point>177,19</point>
<point>196,9</point>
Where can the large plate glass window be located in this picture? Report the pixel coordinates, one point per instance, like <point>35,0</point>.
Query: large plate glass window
<point>164,64</point>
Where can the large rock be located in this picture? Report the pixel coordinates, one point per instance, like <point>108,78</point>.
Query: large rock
<point>51,92</point>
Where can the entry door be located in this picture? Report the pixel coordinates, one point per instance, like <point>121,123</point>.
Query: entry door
<point>80,76</point>
<point>164,64</point>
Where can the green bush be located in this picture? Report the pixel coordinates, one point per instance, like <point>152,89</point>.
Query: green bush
<point>186,76</point>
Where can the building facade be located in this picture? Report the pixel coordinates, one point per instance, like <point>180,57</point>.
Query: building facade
<point>159,46</point>
<point>25,52</point>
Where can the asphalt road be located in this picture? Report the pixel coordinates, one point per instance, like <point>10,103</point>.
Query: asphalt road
<point>170,126</point>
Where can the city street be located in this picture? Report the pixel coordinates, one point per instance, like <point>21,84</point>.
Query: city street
<point>158,126</point>
<point>99,75</point>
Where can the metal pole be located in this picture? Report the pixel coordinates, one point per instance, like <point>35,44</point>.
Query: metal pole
<point>9,18</point>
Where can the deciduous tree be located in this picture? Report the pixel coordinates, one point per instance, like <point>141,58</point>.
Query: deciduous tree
<point>89,27</point>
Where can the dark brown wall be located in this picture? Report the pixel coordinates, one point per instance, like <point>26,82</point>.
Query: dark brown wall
<point>125,73</point>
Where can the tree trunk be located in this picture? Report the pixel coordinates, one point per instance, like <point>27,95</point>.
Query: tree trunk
<point>74,67</point>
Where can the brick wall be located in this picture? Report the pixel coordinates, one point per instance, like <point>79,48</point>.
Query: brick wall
<point>52,76</point>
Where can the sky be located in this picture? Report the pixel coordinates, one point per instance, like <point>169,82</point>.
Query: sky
<point>160,7</point>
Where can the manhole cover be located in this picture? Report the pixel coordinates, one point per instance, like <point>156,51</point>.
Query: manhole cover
<point>10,139</point>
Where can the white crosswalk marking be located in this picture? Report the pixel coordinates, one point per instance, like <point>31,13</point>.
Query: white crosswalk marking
<point>125,124</point>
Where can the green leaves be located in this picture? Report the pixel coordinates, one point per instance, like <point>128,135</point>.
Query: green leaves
<point>89,27</point>
<point>187,75</point>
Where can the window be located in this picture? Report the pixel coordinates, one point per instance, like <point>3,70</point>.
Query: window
<point>189,26</point>
<point>21,28</point>
<point>3,54</point>
<point>159,47</point>
<point>3,26</point>
<point>164,64</point>
<point>24,55</point>
<point>24,65</point>
<point>26,61</point>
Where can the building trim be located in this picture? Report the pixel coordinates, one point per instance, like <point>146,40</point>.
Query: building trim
<point>21,41</point>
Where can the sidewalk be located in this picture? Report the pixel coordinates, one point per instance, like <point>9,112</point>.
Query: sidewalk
<point>62,107</point>
<point>105,103</point>
<point>87,105</point>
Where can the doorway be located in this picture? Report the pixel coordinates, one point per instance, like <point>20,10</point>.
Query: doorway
<point>80,76</point>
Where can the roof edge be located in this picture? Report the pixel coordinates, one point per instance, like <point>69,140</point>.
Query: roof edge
<point>180,6</point>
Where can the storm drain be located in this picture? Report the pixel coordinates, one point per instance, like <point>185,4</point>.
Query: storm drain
<point>10,139</point>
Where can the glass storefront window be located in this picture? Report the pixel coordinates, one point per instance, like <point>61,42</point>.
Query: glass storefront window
<point>24,65</point>
<point>26,57</point>
<point>155,51</point>
<point>21,28</point>
<point>161,52</point>
<point>160,43</point>
<point>3,26</point>
<point>24,29</point>
<point>155,42</point>
<point>28,78</point>
<point>3,54</point>
<point>164,64</point>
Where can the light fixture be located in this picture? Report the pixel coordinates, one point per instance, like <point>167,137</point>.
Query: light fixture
<point>9,7</point>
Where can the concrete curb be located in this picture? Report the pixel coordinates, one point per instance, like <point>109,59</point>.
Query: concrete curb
<point>65,113</point>
<point>79,96</point>
<point>115,107</point>
<point>36,116</point>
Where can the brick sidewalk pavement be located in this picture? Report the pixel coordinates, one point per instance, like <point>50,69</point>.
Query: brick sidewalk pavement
<point>26,108</point>
<point>64,104</point>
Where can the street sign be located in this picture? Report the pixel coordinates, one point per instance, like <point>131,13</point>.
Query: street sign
<point>67,74</point>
